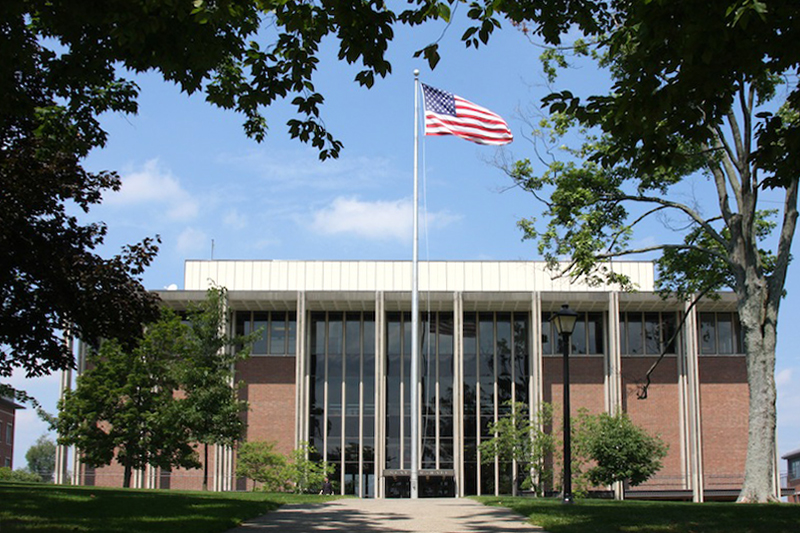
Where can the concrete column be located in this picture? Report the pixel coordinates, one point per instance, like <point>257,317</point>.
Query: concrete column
<point>536,383</point>
<point>613,371</point>
<point>690,404</point>
<point>301,373</point>
<point>458,392</point>
<point>60,473</point>
<point>380,394</point>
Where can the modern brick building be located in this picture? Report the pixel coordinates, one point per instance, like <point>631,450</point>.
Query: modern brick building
<point>333,369</point>
<point>8,410</point>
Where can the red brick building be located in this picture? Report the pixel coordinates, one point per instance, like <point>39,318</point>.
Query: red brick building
<point>8,411</point>
<point>333,369</point>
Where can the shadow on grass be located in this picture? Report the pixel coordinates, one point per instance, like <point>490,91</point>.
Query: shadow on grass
<point>604,516</point>
<point>91,509</point>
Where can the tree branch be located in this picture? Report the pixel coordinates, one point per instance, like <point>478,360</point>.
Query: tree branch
<point>691,213</point>
<point>642,393</point>
<point>662,247</point>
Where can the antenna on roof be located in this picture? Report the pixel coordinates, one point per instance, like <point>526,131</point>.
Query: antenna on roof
<point>212,249</point>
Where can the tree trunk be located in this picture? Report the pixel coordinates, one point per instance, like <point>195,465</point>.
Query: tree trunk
<point>758,319</point>
<point>205,467</point>
<point>126,477</point>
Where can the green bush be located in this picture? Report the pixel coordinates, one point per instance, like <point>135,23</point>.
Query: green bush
<point>619,449</point>
<point>19,476</point>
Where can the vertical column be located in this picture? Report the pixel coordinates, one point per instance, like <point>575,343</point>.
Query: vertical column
<point>613,370</point>
<point>458,392</point>
<point>380,394</point>
<point>301,379</point>
<point>76,463</point>
<point>536,383</point>
<point>613,359</point>
<point>60,474</point>
<point>690,403</point>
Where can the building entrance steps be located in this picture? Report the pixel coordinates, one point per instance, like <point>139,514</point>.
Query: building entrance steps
<point>424,515</point>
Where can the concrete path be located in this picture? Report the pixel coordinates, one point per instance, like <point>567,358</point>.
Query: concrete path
<point>424,515</point>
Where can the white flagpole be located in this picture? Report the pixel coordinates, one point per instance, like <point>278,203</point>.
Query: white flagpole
<point>415,308</point>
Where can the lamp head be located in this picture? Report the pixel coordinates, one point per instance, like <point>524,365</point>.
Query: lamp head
<point>564,320</point>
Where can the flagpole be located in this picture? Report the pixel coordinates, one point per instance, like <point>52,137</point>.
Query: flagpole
<point>415,307</point>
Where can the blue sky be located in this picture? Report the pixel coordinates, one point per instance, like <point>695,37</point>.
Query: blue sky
<point>191,176</point>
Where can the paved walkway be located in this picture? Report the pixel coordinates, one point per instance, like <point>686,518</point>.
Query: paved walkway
<point>424,515</point>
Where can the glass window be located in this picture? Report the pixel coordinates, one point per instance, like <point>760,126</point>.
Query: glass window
<point>635,332</point>
<point>277,335</point>
<point>646,333</point>
<point>794,468</point>
<point>261,326</point>
<point>724,333</point>
<point>720,334</point>
<point>278,331</point>
<point>342,422</point>
<point>708,333</point>
<point>586,338</point>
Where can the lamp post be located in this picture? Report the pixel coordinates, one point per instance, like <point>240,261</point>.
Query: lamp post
<point>564,321</point>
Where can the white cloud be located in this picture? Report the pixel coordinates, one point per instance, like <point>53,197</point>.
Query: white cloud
<point>784,377</point>
<point>378,220</point>
<point>303,169</point>
<point>192,240</point>
<point>153,186</point>
<point>234,219</point>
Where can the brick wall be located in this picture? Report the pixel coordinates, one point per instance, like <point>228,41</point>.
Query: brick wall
<point>659,413</point>
<point>724,403</point>
<point>270,390</point>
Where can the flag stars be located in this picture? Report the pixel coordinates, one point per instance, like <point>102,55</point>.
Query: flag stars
<point>439,101</point>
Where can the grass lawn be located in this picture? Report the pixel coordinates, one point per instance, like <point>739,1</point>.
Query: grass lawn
<point>46,508</point>
<point>606,516</point>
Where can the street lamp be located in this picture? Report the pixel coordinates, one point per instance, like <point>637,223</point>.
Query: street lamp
<point>564,321</point>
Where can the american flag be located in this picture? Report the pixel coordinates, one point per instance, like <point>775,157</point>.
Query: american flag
<point>448,114</point>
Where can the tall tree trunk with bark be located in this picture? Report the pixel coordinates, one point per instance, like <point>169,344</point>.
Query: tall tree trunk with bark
<point>758,327</point>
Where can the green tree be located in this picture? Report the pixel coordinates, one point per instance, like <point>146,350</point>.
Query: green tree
<point>19,476</point>
<point>260,462</point>
<point>702,95</point>
<point>41,458</point>
<point>65,63</point>
<point>617,449</point>
<point>306,475</point>
<point>211,407</point>
<point>521,438</point>
<point>124,405</point>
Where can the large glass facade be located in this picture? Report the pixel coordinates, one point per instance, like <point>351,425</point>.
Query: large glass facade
<point>436,391</point>
<point>342,397</point>
<point>496,371</point>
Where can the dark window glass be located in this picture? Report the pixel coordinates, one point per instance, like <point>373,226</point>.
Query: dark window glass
<point>652,333</point>
<point>548,333</point>
<point>594,330</point>
<point>578,339</point>
<point>737,333</point>
<point>292,334</point>
<point>725,333</point>
<point>261,325</point>
<point>335,333</point>
<point>278,333</point>
<point>708,333</point>
<point>668,330</point>
<point>635,334</point>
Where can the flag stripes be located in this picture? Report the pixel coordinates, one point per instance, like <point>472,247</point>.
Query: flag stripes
<point>448,114</point>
